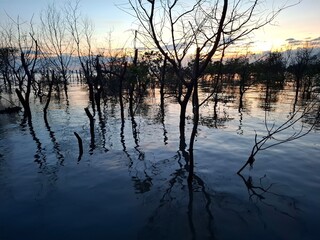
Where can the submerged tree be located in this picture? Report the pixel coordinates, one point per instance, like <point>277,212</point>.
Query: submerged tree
<point>56,42</point>
<point>22,37</point>
<point>81,30</point>
<point>300,68</point>
<point>177,29</point>
<point>241,68</point>
<point>6,57</point>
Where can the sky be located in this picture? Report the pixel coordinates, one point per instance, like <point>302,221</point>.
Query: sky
<point>105,14</point>
<point>295,25</point>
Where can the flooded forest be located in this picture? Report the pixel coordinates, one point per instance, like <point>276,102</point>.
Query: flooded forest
<point>143,143</point>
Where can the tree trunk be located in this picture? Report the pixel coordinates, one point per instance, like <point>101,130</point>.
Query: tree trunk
<point>25,104</point>
<point>92,145</point>
<point>195,110</point>
<point>162,79</point>
<point>49,94</point>
<point>182,124</point>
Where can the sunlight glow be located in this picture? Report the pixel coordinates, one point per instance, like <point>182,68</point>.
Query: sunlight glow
<point>294,26</point>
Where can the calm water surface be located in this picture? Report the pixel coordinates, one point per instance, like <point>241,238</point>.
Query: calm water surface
<point>132,183</point>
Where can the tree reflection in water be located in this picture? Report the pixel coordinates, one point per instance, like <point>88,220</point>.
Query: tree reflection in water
<point>196,211</point>
<point>175,209</point>
<point>176,214</point>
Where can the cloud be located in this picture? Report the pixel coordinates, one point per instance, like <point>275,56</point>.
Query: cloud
<point>290,39</point>
<point>294,42</point>
<point>315,42</point>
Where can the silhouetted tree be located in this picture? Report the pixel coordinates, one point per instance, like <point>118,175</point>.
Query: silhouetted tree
<point>22,36</point>
<point>81,30</point>
<point>176,29</point>
<point>241,70</point>
<point>270,71</point>
<point>299,68</point>
<point>6,57</point>
<point>56,42</point>
<point>157,66</point>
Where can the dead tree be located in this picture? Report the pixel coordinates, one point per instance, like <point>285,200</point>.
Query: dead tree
<point>91,119</point>
<point>56,42</point>
<point>21,36</point>
<point>81,30</point>
<point>177,29</point>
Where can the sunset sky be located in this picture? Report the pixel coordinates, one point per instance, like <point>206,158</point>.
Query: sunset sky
<point>295,25</point>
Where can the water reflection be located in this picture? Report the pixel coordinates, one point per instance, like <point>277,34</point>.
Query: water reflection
<point>39,156</point>
<point>142,184</point>
<point>102,125</point>
<point>184,213</point>
<point>56,145</point>
<point>261,193</point>
<point>199,212</point>
<point>240,130</point>
<point>160,118</point>
<point>214,206</point>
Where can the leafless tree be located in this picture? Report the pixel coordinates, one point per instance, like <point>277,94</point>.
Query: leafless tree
<point>299,67</point>
<point>22,36</point>
<point>56,42</point>
<point>82,29</point>
<point>178,28</point>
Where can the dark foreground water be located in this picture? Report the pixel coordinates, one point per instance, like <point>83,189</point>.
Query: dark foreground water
<point>132,183</point>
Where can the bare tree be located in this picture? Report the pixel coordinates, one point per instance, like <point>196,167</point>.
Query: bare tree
<point>56,42</point>
<point>22,36</point>
<point>6,54</point>
<point>176,29</point>
<point>299,68</point>
<point>82,30</point>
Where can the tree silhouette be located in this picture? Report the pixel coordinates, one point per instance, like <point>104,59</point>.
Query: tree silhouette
<point>203,27</point>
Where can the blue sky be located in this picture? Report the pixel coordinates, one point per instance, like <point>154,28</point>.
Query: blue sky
<point>299,23</point>
<point>105,15</point>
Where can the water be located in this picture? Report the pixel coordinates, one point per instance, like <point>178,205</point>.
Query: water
<point>134,186</point>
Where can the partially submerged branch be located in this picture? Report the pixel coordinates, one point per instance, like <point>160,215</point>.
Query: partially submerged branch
<point>272,132</point>
<point>91,118</point>
<point>80,145</point>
